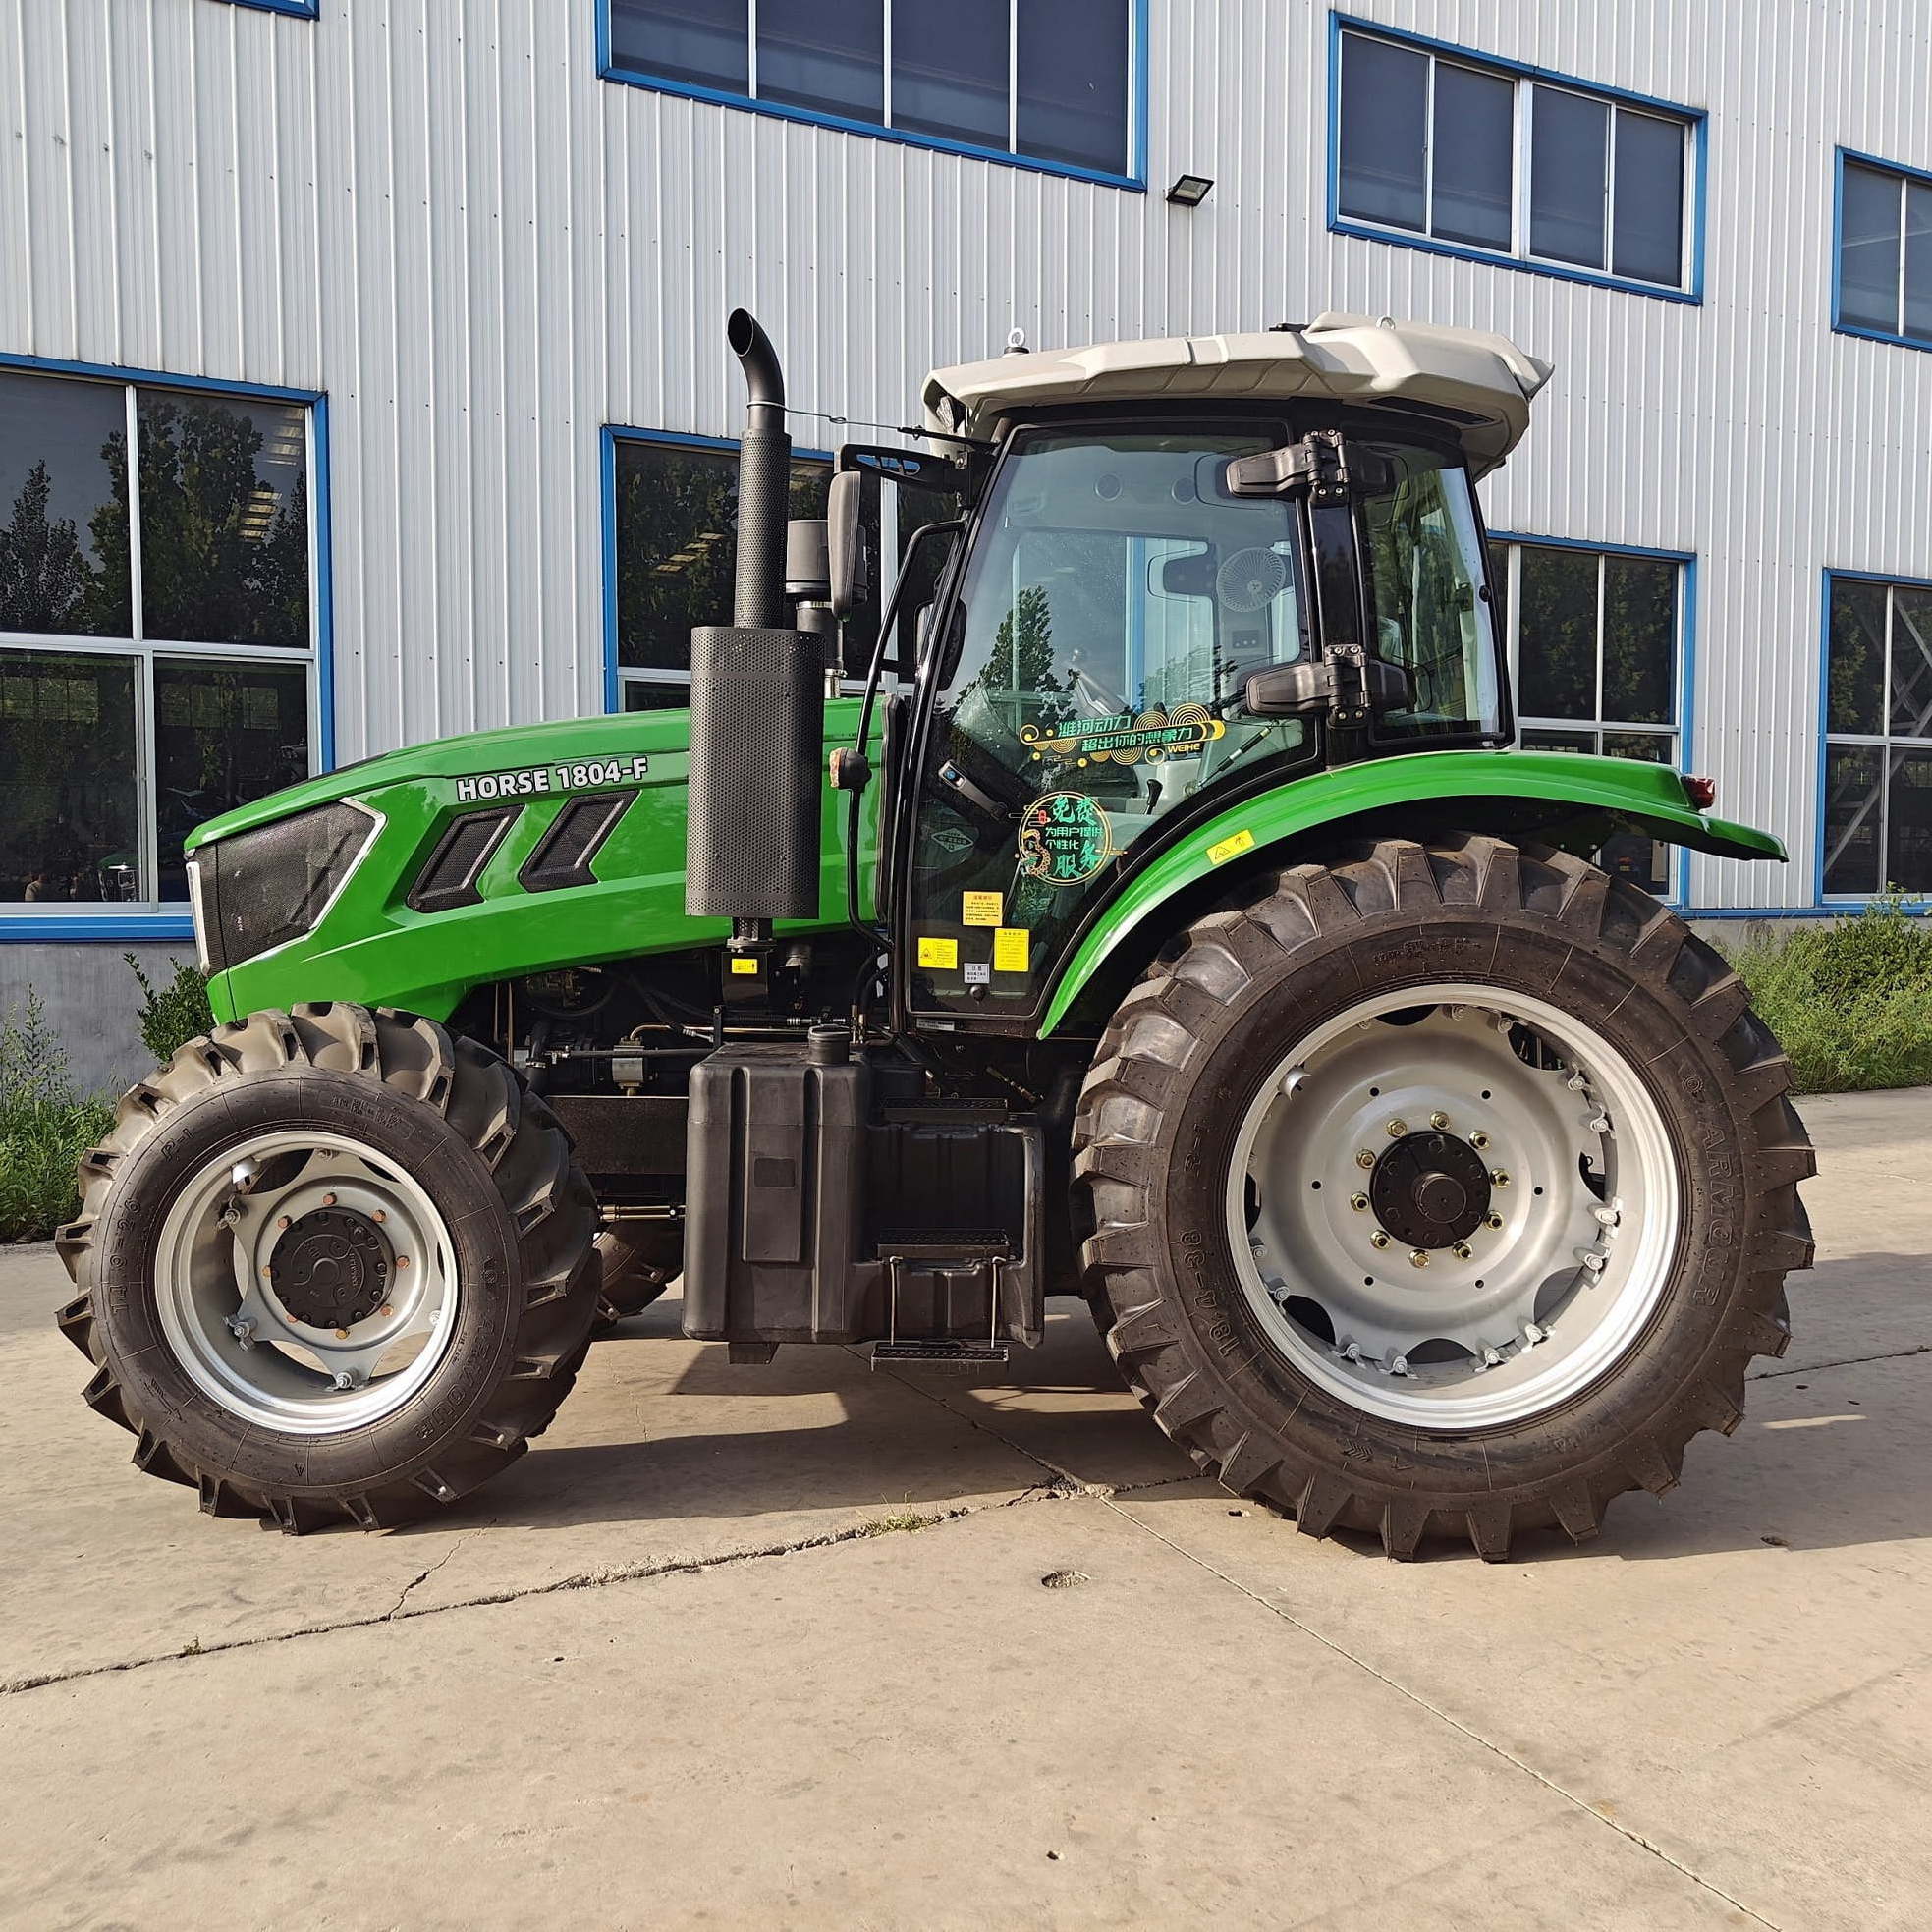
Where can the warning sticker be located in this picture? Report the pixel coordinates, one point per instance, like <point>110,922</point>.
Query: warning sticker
<point>747,968</point>
<point>941,953</point>
<point>1011,947</point>
<point>976,972</point>
<point>1230,848</point>
<point>981,909</point>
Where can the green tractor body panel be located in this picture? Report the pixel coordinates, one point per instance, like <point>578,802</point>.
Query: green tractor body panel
<point>371,947</point>
<point>1563,784</point>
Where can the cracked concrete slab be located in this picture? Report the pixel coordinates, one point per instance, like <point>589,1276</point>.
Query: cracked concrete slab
<point>897,1731</point>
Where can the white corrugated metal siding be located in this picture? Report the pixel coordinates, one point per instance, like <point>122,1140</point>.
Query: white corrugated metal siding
<point>436,212</point>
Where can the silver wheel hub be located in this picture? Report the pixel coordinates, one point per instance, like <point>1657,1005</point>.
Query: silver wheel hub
<point>305,1282</point>
<point>1453,1206</point>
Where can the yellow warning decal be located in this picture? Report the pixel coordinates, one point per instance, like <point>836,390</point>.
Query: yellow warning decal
<point>747,968</point>
<point>944,953</point>
<point>1010,949</point>
<point>981,909</point>
<point>1230,848</point>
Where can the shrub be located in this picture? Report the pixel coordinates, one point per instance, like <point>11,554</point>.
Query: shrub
<point>171,1015</point>
<point>44,1128</point>
<point>1851,1001</point>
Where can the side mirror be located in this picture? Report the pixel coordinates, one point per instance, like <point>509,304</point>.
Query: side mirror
<point>843,539</point>
<point>1291,690</point>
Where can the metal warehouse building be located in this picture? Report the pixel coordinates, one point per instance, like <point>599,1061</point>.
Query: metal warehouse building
<point>410,314</point>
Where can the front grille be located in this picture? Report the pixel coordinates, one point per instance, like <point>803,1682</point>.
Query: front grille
<point>263,888</point>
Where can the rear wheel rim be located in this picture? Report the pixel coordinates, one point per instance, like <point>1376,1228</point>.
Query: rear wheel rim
<point>1522,1184</point>
<point>305,1282</point>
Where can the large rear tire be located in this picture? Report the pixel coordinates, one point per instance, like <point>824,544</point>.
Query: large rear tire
<point>332,1264</point>
<point>1442,1191</point>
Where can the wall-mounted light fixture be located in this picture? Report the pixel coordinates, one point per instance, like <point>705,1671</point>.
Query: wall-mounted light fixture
<point>1191,190</point>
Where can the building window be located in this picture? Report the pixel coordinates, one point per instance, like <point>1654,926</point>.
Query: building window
<point>1878,738</point>
<point>1884,251</point>
<point>676,530</point>
<point>1596,641</point>
<point>158,627</point>
<point>302,9</point>
<point>1047,85</point>
<point>1457,152</point>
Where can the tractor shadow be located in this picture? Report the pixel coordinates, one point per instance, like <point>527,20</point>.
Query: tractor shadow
<point>1836,1456</point>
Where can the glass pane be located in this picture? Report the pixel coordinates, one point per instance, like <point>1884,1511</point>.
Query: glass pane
<point>705,42</point>
<point>677,545</point>
<point>1868,249</point>
<point>1911,663</point>
<point>640,694</point>
<point>1424,568</point>
<point>63,498</point>
<point>1073,83</point>
<point>1908,823</point>
<point>68,826</point>
<point>828,55</point>
<point>1474,158</point>
<point>1628,854</point>
<point>224,520</point>
<point>223,734</point>
<point>1649,239</point>
<point>1857,657</point>
<point>1851,818</point>
<point>948,69</point>
<point>1918,260</point>
<point>1114,606</point>
<point>1385,107</point>
<point>1535,739</point>
<point>1650,747</point>
<point>1566,177</point>
<point>1557,646</point>
<point>1640,639</point>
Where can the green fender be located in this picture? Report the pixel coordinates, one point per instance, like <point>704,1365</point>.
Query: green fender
<point>1650,797</point>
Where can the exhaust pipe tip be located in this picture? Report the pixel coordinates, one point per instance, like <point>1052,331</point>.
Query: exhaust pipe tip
<point>747,341</point>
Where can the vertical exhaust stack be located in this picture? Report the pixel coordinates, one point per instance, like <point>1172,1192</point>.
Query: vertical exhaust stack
<point>757,704</point>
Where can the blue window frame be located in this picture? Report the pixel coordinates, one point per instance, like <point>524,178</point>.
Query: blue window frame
<point>1875,774</point>
<point>1061,88</point>
<point>164,630</point>
<point>1461,154</point>
<point>301,9</point>
<point>1882,252</point>
<point>1601,647</point>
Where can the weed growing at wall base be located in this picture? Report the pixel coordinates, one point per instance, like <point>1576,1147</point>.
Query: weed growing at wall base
<point>1852,1002</point>
<point>44,1126</point>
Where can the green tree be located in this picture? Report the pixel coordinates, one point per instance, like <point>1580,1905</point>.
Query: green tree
<point>44,577</point>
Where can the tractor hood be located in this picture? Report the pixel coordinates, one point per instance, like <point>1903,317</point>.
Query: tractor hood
<point>1481,383</point>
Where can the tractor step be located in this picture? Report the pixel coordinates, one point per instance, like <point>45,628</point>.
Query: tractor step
<point>939,1353</point>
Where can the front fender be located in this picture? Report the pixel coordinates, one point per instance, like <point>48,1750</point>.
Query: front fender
<point>1460,790</point>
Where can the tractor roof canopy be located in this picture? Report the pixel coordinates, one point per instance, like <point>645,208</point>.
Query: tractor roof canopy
<point>1479,383</point>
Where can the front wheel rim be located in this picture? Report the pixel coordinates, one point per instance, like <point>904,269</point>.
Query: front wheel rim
<point>1453,1206</point>
<point>305,1282</point>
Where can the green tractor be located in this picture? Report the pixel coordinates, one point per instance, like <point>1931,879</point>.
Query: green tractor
<point>1168,921</point>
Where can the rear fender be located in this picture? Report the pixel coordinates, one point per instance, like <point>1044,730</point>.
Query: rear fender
<point>1557,797</point>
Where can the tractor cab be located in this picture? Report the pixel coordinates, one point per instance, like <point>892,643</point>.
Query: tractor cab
<point>1186,571</point>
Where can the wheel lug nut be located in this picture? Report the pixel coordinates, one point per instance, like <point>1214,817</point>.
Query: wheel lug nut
<point>1359,1203</point>
<point>1378,1239</point>
<point>1478,1140</point>
<point>342,1335</point>
<point>385,1312</point>
<point>328,1201</point>
<point>1397,1128</point>
<point>1461,1251</point>
<point>1364,1158</point>
<point>401,1260</point>
<point>1437,1121</point>
<point>1419,1258</point>
<point>1495,1220</point>
<point>1498,1179</point>
<point>378,1215</point>
<point>283,1221</point>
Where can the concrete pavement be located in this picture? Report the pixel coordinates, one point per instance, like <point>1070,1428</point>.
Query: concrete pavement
<point>686,1665</point>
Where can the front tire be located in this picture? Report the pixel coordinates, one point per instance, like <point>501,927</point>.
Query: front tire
<point>332,1264</point>
<point>1469,1329</point>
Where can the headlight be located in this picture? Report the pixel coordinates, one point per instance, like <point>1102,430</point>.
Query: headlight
<point>260,888</point>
